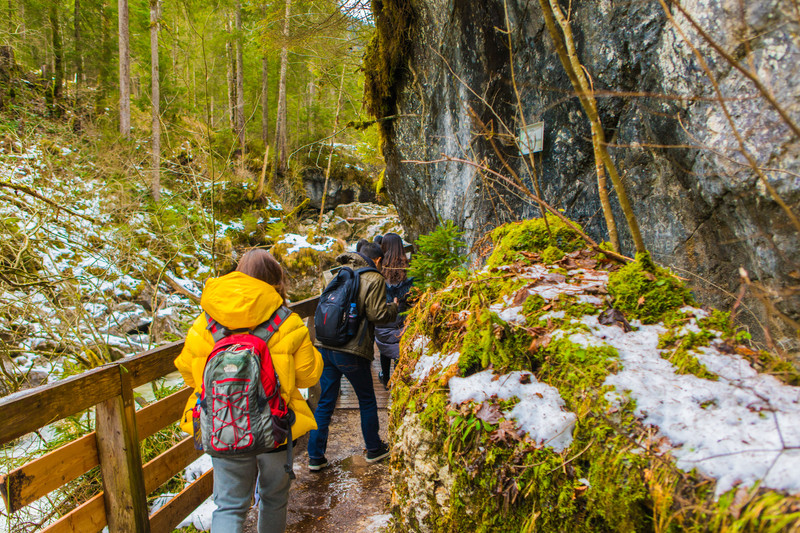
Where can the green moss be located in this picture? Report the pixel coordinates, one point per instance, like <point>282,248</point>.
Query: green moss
<point>677,349</point>
<point>385,56</point>
<point>490,341</point>
<point>575,369</point>
<point>531,236</point>
<point>533,304</point>
<point>551,254</point>
<point>646,291</point>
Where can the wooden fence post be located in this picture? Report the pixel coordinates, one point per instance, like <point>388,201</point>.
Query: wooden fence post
<point>121,462</point>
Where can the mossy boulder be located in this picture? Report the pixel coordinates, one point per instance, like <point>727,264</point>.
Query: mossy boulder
<point>474,464</point>
<point>533,236</point>
<point>646,291</point>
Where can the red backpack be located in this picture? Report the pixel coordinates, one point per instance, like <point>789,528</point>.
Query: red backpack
<point>240,411</point>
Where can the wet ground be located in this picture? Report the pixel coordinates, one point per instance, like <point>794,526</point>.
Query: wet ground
<point>350,495</point>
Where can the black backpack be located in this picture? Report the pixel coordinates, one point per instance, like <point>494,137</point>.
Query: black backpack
<point>336,318</point>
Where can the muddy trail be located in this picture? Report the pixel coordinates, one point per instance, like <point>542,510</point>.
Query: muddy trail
<point>350,495</point>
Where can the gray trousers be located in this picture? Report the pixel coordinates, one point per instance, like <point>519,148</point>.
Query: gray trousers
<point>234,484</point>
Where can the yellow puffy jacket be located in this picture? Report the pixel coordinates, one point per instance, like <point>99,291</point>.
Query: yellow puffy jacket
<point>240,301</point>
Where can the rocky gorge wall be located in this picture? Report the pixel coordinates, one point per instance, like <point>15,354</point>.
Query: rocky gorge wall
<point>443,69</point>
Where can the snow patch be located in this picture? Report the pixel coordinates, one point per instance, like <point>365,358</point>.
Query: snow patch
<point>740,430</point>
<point>540,411</point>
<point>298,242</point>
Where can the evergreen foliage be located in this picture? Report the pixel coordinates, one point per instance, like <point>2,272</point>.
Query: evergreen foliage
<point>438,253</point>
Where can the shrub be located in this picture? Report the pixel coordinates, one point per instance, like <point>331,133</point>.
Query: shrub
<point>438,254</point>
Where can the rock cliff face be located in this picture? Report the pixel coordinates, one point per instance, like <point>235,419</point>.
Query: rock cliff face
<point>685,156</point>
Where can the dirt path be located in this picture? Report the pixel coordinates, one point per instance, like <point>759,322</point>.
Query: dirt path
<point>350,495</point>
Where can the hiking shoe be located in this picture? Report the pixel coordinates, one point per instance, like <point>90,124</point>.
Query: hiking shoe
<point>315,465</point>
<point>379,454</point>
<point>384,382</point>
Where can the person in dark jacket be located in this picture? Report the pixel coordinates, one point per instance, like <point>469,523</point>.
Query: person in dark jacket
<point>354,361</point>
<point>394,269</point>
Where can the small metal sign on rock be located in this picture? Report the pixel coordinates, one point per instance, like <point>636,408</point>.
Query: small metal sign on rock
<point>531,138</point>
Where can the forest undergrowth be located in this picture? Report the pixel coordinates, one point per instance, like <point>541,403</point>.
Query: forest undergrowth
<point>94,270</point>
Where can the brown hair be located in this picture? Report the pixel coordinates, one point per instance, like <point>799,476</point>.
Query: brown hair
<point>395,262</point>
<point>260,264</point>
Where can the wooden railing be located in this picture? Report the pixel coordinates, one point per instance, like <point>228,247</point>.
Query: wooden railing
<point>114,445</point>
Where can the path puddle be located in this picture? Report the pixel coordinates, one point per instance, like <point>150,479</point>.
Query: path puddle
<point>347,493</point>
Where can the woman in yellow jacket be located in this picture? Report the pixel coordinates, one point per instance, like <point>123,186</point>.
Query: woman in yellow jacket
<point>246,298</point>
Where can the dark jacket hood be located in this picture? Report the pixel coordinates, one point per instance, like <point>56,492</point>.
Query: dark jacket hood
<point>354,260</point>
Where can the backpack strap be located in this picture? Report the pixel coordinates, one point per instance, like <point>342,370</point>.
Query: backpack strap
<point>264,331</point>
<point>358,285</point>
<point>217,330</point>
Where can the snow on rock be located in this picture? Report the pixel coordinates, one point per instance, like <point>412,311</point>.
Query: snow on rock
<point>540,412</point>
<point>88,256</point>
<point>430,361</point>
<point>507,312</point>
<point>740,430</point>
<point>295,243</point>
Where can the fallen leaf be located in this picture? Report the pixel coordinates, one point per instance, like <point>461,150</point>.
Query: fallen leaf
<point>614,317</point>
<point>489,413</point>
<point>640,301</point>
<point>567,263</point>
<point>647,275</point>
<point>506,432</point>
<point>521,296</point>
<point>553,277</point>
<point>539,342</point>
<point>533,256</point>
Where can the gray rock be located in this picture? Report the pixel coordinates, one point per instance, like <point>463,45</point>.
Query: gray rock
<point>338,191</point>
<point>701,207</point>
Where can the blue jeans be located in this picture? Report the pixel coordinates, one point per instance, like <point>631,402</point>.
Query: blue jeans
<point>358,372</point>
<point>234,481</point>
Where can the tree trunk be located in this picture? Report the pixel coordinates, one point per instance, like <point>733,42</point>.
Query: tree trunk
<point>280,129</point>
<point>124,71</point>
<point>310,114</point>
<point>78,49</point>
<point>231,71</point>
<point>155,16</point>
<point>330,155</point>
<point>7,74</point>
<point>58,53</point>
<point>565,48</point>
<point>239,80</point>
<point>103,72</point>
<point>264,91</point>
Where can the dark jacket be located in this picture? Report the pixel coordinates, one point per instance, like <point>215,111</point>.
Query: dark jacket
<point>373,309</point>
<point>387,336</point>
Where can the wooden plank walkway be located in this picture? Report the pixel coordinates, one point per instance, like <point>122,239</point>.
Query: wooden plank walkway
<point>347,396</point>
